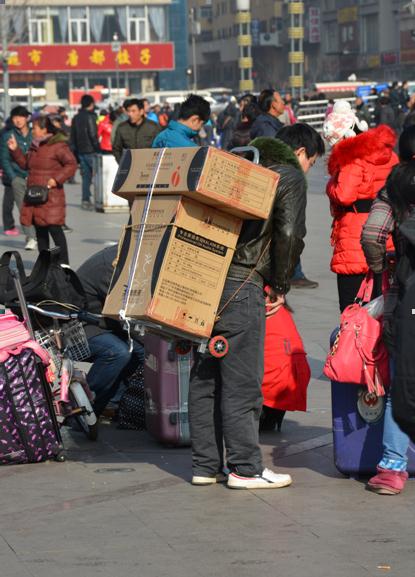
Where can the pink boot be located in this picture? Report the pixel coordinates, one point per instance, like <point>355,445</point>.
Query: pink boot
<point>387,482</point>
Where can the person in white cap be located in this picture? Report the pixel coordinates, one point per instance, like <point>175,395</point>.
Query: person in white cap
<point>359,164</point>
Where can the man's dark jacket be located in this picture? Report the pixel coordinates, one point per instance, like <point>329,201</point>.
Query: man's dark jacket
<point>273,247</point>
<point>265,125</point>
<point>95,275</point>
<point>130,136</point>
<point>84,135</point>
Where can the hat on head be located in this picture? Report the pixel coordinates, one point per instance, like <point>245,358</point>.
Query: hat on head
<point>340,123</point>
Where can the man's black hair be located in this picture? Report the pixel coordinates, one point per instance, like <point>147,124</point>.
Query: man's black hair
<point>301,135</point>
<point>139,102</point>
<point>19,111</point>
<point>265,99</point>
<point>195,105</point>
<point>87,100</point>
<point>126,103</point>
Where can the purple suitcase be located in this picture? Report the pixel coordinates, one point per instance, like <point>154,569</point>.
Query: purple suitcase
<point>166,383</point>
<point>27,429</point>
<point>358,430</point>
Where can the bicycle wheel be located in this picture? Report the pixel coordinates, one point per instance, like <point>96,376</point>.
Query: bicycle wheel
<point>86,419</point>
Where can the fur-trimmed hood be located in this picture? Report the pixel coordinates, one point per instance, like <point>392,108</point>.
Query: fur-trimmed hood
<point>374,146</point>
<point>275,152</point>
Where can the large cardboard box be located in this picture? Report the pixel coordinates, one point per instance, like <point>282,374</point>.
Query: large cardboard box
<point>175,275</point>
<point>220,179</point>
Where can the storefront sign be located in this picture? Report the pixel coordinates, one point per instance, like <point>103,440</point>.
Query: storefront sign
<point>84,57</point>
<point>390,58</point>
<point>314,31</point>
<point>346,15</point>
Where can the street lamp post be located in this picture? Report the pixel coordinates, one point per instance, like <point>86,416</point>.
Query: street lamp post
<point>194,31</point>
<point>116,47</point>
<point>243,19</point>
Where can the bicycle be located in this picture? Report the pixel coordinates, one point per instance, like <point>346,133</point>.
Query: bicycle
<point>66,343</point>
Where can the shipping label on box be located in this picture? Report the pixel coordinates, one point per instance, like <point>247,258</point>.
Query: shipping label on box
<point>211,176</point>
<point>175,274</point>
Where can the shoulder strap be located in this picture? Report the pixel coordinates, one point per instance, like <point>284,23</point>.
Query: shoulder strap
<point>5,268</point>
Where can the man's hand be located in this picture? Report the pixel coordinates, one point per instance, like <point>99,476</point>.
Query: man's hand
<point>12,143</point>
<point>52,183</point>
<point>273,303</point>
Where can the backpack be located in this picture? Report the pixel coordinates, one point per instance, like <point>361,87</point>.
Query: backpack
<point>48,281</point>
<point>287,372</point>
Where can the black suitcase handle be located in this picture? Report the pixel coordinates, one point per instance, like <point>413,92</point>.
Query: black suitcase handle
<point>243,149</point>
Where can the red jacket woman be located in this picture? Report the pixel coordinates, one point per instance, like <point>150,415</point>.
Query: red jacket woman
<point>358,167</point>
<point>104,133</point>
<point>50,163</point>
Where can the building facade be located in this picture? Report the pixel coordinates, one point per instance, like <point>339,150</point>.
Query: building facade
<point>217,48</point>
<point>124,45</point>
<point>372,39</point>
<point>368,38</point>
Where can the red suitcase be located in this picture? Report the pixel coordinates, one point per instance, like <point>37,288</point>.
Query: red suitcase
<point>166,383</point>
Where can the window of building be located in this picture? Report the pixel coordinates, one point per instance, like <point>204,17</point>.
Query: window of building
<point>79,25</point>
<point>329,4</point>
<point>331,37</point>
<point>137,24</point>
<point>39,26</point>
<point>206,12</point>
<point>370,34</point>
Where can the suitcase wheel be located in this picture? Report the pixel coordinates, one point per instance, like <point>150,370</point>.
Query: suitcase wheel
<point>183,347</point>
<point>218,347</point>
<point>60,457</point>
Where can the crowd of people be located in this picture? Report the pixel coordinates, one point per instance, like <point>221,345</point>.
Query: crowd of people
<point>371,191</point>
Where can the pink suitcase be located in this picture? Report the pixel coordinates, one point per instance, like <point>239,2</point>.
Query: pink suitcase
<point>166,383</point>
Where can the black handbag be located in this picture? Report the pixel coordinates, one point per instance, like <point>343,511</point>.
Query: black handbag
<point>36,195</point>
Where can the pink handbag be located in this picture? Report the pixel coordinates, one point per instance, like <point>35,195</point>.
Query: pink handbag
<point>358,354</point>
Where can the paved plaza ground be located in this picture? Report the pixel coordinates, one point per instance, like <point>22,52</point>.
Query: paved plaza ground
<point>124,507</point>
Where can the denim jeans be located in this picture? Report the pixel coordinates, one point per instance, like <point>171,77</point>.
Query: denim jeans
<point>298,271</point>
<point>395,441</point>
<point>112,361</point>
<point>225,397</point>
<point>87,163</point>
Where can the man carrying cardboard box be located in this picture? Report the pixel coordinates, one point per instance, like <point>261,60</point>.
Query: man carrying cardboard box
<point>225,398</point>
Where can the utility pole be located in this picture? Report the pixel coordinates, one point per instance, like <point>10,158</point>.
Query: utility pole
<point>5,60</point>
<point>296,54</point>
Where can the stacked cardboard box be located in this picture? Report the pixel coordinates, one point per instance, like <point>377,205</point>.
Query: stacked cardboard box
<point>171,269</point>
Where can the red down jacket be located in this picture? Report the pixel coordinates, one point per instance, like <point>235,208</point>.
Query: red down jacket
<point>287,372</point>
<point>358,168</point>
<point>51,159</point>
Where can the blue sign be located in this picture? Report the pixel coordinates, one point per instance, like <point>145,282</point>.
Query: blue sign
<point>255,32</point>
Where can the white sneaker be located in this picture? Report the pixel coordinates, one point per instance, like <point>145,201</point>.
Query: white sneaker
<point>199,480</point>
<point>31,244</point>
<point>268,480</point>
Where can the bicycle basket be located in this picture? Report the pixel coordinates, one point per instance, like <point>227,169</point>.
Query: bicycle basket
<point>75,341</point>
<point>47,341</point>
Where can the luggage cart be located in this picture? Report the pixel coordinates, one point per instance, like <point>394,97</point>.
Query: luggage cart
<point>218,345</point>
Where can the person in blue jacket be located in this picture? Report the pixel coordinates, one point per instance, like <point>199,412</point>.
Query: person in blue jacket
<point>193,114</point>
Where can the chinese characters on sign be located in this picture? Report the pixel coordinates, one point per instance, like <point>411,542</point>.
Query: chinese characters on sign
<point>61,57</point>
<point>314,25</point>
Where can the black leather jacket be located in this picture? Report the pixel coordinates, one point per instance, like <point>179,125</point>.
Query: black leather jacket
<point>273,247</point>
<point>84,136</point>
